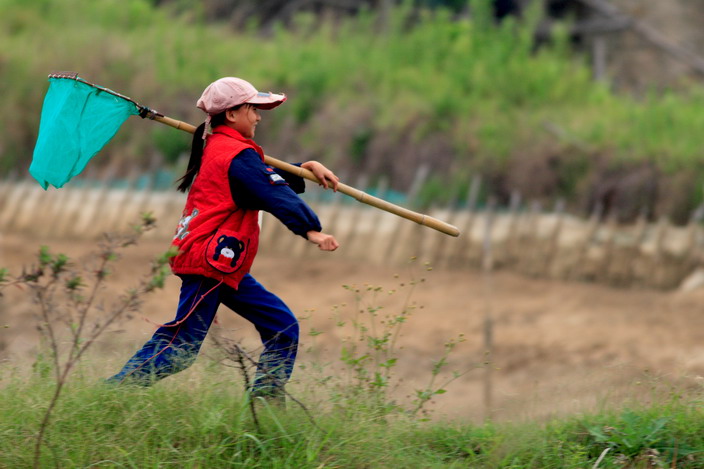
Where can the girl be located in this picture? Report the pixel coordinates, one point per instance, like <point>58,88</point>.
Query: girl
<point>218,235</point>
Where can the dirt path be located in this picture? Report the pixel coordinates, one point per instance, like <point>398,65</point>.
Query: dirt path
<point>559,347</point>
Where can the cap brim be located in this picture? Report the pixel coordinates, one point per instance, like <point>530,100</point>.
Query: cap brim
<point>267,100</point>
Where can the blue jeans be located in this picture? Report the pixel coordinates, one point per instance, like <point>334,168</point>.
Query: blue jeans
<point>174,346</point>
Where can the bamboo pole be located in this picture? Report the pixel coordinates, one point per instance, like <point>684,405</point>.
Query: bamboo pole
<point>357,194</point>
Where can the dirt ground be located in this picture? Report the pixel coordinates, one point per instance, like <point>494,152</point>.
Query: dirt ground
<point>559,347</point>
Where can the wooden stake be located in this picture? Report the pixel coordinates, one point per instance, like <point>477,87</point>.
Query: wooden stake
<point>487,268</point>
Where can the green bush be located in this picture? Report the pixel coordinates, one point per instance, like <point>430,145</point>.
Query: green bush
<point>461,94</point>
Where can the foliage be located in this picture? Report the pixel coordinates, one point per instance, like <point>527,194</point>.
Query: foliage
<point>463,94</point>
<point>72,315</point>
<point>369,351</point>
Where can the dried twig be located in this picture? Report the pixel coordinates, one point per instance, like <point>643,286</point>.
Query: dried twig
<point>53,281</point>
<point>240,357</point>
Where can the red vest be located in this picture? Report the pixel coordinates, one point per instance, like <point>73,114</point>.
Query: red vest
<point>215,238</point>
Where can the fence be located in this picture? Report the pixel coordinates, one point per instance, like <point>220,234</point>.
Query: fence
<point>528,240</point>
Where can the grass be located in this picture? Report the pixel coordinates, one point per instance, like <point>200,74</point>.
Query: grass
<point>348,417</point>
<point>201,420</point>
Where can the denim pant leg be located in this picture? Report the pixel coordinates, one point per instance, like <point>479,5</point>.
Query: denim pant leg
<point>277,326</point>
<point>174,346</point>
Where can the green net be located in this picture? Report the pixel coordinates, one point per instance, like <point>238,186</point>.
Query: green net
<point>77,121</point>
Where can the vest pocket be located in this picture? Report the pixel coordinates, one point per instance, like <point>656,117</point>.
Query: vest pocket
<point>226,252</point>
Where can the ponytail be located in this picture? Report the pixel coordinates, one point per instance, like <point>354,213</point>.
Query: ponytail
<point>197,149</point>
<point>195,159</point>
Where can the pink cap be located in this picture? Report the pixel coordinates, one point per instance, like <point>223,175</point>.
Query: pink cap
<point>229,92</point>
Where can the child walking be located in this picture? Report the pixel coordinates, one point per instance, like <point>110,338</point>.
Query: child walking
<point>228,183</point>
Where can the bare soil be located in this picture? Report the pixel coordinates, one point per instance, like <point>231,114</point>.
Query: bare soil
<point>559,347</point>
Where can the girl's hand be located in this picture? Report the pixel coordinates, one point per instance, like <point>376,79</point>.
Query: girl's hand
<point>324,241</point>
<point>326,178</point>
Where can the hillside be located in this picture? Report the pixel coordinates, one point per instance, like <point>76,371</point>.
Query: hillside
<point>463,96</point>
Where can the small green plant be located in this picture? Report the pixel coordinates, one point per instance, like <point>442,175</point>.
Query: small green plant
<point>370,352</point>
<point>637,436</point>
<point>425,395</point>
<point>71,316</point>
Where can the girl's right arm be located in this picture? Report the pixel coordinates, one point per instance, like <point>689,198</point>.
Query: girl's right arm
<point>256,186</point>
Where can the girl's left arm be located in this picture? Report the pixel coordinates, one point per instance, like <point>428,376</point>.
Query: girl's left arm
<point>326,177</point>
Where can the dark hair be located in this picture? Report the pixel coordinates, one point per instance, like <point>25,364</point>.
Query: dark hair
<point>197,150</point>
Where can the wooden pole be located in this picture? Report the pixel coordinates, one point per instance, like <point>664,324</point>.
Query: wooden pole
<point>404,235</point>
<point>512,240</point>
<point>487,268</point>
<point>553,245</point>
<point>599,47</point>
<point>360,196</point>
<point>463,249</point>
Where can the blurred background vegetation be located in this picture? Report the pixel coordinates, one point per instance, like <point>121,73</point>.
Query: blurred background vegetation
<point>377,88</point>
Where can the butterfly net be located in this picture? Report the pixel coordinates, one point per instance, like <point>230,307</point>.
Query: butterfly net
<point>77,120</point>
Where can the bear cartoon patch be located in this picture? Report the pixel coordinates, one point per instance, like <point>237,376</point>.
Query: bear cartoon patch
<point>230,248</point>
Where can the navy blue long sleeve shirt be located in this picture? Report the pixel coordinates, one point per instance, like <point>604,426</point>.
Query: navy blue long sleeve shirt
<point>257,186</point>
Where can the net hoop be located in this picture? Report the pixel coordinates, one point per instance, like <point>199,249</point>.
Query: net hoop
<point>144,111</point>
